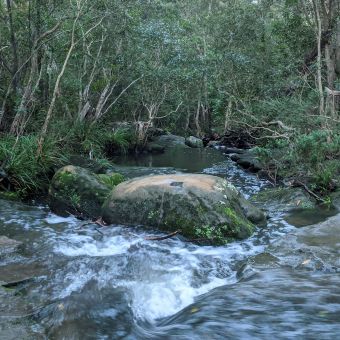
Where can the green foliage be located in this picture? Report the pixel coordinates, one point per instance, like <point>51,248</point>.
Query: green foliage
<point>111,180</point>
<point>121,139</point>
<point>317,146</point>
<point>324,174</point>
<point>26,172</point>
<point>97,141</point>
<point>180,65</point>
<point>211,233</point>
<point>313,155</point>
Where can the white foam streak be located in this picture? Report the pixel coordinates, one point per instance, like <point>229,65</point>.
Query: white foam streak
<point>86,246</point>
<point>160,288</point>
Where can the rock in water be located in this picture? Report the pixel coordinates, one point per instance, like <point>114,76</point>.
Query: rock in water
<point>8,245</point>
<point>194,142</point>
<point>201,206</point>
<point>285,199</point>
<point>170,141</point>
<point>75,189</point>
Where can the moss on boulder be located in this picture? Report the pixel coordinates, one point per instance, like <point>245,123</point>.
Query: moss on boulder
<point>285,199</point>
<point>201,206</point>
<point>75,189</point>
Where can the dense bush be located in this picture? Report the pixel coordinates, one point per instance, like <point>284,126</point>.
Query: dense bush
<point>25,171</point>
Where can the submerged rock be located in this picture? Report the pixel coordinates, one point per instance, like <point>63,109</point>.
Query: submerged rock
<point>130,172</point>
<point>201,206</point>
<point>155,148</point>
<point>8,245</point>
<point>213,144</point>
<point>231,150</point>
<point>315,247</point>
<point>194,142</point>
<point>285,199</point>
<point>75,189</point>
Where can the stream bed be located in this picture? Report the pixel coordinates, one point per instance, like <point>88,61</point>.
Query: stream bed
<point>68,281</point>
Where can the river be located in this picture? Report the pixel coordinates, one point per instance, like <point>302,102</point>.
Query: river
<point>78,282</point>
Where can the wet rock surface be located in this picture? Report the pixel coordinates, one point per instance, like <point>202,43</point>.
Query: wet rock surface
<point>286,199</point>
<point>170,141</point>
<point>194,142</point>
<point>8,245</point>
<point>247,160</point>
<point>201,206</point>
<point>75,189</point>
<point>315,247</point>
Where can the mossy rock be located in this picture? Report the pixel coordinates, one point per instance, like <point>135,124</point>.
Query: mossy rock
<point>285,199</point>
<point>335,198</point>
<point>75,189</point>
<point>201,206</point>
<point>95,166</point>
<point>170,141</point>
<point>194,142</point>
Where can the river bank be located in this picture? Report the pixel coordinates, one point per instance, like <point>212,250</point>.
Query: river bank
<point>24,175</point>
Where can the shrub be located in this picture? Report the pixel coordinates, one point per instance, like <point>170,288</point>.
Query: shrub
<point>27,173</point>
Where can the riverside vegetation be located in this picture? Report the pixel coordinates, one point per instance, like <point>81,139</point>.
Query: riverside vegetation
<point>71,70</point>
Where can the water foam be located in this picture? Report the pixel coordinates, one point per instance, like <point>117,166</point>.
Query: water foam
<point>162,278</point>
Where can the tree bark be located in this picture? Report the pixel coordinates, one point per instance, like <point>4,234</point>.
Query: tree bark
<point>319,56</point>
<point>56,87</point>
<point>14,47</point>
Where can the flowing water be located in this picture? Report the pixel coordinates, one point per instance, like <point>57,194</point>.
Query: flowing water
<point>69,281</point>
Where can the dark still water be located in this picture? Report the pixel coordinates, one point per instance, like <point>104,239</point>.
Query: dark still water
<point>68,281</point>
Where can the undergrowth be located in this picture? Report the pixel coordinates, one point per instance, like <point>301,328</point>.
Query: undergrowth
<point>22,172</point>
<point>313,157</point>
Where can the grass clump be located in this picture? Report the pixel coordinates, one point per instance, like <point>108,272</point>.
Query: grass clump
<point>111,180</point>
<point>23,171</point>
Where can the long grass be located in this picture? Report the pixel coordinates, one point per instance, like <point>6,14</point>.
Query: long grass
<point>25,172</point>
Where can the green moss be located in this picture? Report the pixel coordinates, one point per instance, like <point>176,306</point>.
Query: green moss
<point>154,216</point>
<point>10,195</point>
<point>211,233</point>
<point>270,194</point>
<point>65,178</point>
<point>111,180</point>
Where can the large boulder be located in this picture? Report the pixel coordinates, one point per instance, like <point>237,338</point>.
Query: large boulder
<point>247,160</point>
<point>170,141</point>
<point>201,206</point>
<point>155,148</point>
<point>75,189</point>
<point>194,142</point>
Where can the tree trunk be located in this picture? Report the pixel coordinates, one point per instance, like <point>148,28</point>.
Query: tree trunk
<point>319,56</point>
<point>337,49</point>
<point>13,39</point>
<point>56,88</point>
